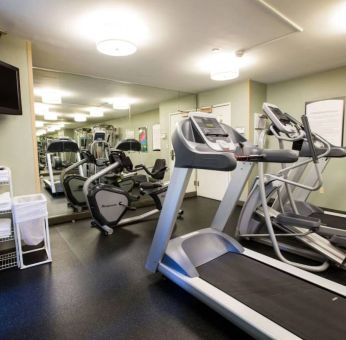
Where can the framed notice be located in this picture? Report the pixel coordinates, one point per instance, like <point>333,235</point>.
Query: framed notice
<point>129,134</point>
<point>143,138</point>
<point>326,118</point>
<point>156,137</point>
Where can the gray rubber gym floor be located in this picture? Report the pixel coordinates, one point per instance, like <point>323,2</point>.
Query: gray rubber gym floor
<point>97,288</point>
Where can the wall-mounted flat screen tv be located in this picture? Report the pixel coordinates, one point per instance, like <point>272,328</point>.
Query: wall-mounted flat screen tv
<point>10,100</point>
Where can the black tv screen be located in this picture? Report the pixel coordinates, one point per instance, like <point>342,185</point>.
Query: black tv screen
<point>10,100</point>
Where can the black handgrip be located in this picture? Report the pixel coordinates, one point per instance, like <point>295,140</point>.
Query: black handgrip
<point>309,138</point>
<point>250,158</point>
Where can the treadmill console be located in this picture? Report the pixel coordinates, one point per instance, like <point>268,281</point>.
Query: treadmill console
<point>212,131</point>
<point>281,121</point>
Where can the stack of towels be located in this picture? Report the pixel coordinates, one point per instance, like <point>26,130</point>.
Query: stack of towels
<point>5,227</point>
<point>4,175</point>
<point>5,223</point>
<point>5,201</point>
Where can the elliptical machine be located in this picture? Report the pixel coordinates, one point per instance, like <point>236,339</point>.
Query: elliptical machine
<point>258,217</point>
<point>108,204</point>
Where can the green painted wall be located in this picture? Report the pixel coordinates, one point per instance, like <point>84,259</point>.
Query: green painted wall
<point>257,96</point>
<point>291,96</point>
<point>184,103</point>
<point>66,133</point>
<point>145,119</point>
<point>16,132</point>
<point>237,95</point>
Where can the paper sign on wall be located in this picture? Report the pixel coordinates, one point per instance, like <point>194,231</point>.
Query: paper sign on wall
<point>326,119</point>
<point>156,137</point>
<point>129,134</point>
<point>143,138</point>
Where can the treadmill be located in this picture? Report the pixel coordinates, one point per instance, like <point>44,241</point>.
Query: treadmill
<point>53,185</point>
<point>265,297</point>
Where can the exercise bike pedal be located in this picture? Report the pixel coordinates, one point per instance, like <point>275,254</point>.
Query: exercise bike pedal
<point>180,215</point>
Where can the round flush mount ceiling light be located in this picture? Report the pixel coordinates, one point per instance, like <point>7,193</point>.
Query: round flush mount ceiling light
<point>338,17</point>
<point>96,112</point>
<point>80,117</point>
<point>41,132</point>
<point>51,97</point>
<point>52,128</point>
<point>121,103</point>
<point>224,66</point>
<point>39,124</point>
<point>41,109</point>
<point>116,47</point>
<point>51,116</point>
<point>116,31</point>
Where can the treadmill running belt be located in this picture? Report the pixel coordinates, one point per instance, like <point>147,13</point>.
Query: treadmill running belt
<point>306,310</point>
<point>331,220</point>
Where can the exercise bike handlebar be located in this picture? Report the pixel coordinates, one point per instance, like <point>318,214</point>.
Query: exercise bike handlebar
<point>98,175</point>
<point>143,167</point>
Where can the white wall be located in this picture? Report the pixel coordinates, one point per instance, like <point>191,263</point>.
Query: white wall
<point>17,148</point>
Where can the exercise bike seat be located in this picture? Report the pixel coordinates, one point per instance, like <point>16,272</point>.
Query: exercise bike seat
<point>298,221</point>
<point>150,185</point>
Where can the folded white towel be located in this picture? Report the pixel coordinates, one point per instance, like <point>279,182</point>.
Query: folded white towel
<point>5,227</point>
<point>4,175</point>
<point>5,197</point>
<point>5,201</point>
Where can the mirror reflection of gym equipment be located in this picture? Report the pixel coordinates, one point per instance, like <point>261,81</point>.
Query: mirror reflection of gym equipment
<point>106,126</point>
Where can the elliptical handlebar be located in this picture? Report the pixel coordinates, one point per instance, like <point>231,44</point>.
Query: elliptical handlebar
<point>309,138</point>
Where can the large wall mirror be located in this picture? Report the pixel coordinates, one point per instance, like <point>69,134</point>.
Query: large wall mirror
<point>85,118</point>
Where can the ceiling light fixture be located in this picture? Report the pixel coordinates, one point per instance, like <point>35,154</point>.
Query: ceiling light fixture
<point>116,47</point>
<point>39,124</point>
<point>41,132</point>
<point>116,31</point>
<point>51,128</point>
<point>80,117</point>
<point>338,17</point>
<point>224,66</point>
<point>51,116</point>
<point>121,103</point>
<point>96,112</point>
<point>51,97</point>
<point>41,109</point>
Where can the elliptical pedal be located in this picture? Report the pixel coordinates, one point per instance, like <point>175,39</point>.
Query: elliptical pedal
<point>338,241</point>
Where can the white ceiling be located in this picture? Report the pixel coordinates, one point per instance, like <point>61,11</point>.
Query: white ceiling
<point>181,35</point>
<point>80,93</point>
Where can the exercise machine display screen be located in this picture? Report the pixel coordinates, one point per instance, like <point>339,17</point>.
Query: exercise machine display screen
<point>99,136</point>
<point>282,121</point>
<point>279,114</point>
<point>211,127</point>
<point>212,132</point>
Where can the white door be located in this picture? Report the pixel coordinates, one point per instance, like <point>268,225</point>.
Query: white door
<point>213,184</point>
<point>174,119</point>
